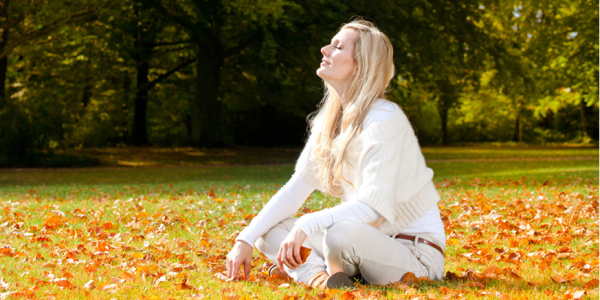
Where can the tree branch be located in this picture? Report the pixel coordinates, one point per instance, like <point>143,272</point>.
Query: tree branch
<point>10,23</point>
<point>167,13</point>
<point>76,17</point>
<point>169,44</point>
<point>198,30</point>
<point>239,48</point>
<point>162,77</point>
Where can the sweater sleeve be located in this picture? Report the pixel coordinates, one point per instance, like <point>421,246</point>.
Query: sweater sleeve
<point>285,203</point>
<point>352,211</point>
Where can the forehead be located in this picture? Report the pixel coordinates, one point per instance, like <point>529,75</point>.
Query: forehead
<point>345,36</point>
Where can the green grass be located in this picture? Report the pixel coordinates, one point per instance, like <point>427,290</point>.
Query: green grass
<point>489,152</point>
<point>149,156</point>
<point>186,233</point>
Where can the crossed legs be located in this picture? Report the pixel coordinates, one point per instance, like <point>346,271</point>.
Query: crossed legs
<point>354,248</point>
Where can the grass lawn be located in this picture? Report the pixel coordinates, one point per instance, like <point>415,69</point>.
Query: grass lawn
<point>521,224</point>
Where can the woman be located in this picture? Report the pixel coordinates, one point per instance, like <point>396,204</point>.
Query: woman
<point>361,149</point>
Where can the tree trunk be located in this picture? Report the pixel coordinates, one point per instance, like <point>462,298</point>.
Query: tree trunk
<point>142,53</point>
<point>206,109</point>
<point>516,129</point>
<point>4,60</point>
<point>446,99</point>
<point>443,112</point>
<point>126,95</point>
<point>140,133</point>
<point>589,119</point>
<point>3,67</point>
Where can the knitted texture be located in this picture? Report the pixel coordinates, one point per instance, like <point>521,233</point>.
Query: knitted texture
<point>389,173</point>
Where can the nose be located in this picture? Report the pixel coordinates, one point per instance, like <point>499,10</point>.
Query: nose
<point>324,51</point>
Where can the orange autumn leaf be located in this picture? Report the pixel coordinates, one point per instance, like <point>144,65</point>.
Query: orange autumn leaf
<point>211,194</point>
<point>117,280</point>
<point>403,287</point>
<point>492,272</point>
<point>410,279</point>
<point>184,285</point>
<point>304,253</point>
<point>566,278</point>
<point>108,226</point>
<point>54,222</point>
<point>591,284</point>
<point>137,255</point>
<point>62,282</point>
<point>476,284</point>
<point>346,296</point>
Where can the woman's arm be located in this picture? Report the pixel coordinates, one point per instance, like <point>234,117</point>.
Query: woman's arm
<point>285,203</point>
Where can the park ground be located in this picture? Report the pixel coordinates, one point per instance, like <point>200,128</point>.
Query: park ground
<point>521,222</point>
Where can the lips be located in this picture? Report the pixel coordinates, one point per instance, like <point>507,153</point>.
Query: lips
<point>323,61</point>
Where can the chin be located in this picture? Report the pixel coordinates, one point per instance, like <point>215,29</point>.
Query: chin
<point>320,73</point>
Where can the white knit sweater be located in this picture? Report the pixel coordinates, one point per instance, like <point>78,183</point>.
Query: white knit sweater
<point>391,176</point>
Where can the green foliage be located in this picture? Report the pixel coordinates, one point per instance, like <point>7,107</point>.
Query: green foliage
<point>487,72</point>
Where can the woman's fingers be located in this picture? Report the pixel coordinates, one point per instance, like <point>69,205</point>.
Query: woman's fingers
<point>297,255</point>
<point>236,269</point>
<point>247,267</point>
<point>280,258</point>
<point>291,258</point>
<point>241,254</point>
<point>283,257</point>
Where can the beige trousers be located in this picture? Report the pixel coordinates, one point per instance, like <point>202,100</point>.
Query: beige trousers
<point>358,248</point>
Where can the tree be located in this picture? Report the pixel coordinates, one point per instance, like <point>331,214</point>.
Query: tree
<point>28,23</point>
<point>546,48</point>
<point>218,30</point>
<point>439,46</point>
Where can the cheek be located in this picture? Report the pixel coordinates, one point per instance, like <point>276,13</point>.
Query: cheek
<point>348,64</point>
<point>344,62</point>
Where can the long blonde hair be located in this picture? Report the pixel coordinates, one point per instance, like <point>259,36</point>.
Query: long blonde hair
<point>373,53</point>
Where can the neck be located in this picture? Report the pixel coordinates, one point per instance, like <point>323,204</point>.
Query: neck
<point>340,89</point>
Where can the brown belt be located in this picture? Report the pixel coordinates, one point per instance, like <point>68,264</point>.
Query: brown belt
<point>422,241</point>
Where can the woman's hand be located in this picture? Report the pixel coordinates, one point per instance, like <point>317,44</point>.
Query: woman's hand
<point>289,251</point>
<point>240,255</point>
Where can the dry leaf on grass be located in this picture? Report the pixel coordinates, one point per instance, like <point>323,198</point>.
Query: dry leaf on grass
<point>591,284</point>
<point>184,285</point>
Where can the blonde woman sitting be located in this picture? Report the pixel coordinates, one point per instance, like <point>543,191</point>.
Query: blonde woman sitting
<point>363,150</point>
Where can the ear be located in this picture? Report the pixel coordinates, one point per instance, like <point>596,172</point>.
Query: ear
<point>355,71</point>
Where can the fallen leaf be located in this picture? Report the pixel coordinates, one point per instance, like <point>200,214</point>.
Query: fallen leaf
<point>108,287</point>
<point>304,253</point>
<point>3,284</point>
<point>159,280</point>
<point>346,296</point>
<point>591,284</point>
<point>89,285</point>
<point>476,284</point>
<point>117,280</point>
<point>137,255</point>
<point>558,279</point>
<point>184,285</point>
<point>62,282</point>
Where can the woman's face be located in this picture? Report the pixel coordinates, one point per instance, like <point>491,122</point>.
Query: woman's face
<point>338,64</point>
